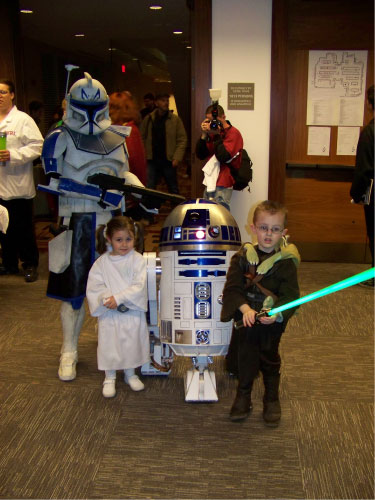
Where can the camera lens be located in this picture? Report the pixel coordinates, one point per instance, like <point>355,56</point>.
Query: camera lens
<point>214,125</point>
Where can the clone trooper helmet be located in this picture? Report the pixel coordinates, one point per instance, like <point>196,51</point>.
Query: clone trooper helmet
<point>87,110</point>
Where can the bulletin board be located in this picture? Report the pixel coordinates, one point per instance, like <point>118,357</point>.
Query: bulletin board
<point>297,130</point>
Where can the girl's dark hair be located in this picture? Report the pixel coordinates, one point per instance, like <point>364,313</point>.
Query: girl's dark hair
<point>118,223</point>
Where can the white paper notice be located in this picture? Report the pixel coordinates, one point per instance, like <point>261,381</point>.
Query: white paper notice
<point>347,140</point>
<point>336,87</point>
<point>318,141</point>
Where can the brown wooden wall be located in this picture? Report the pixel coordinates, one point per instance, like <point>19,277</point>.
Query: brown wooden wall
<point>11,53</point>
<point>322,221</point>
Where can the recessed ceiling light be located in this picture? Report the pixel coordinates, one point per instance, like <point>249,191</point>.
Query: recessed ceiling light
<point>79,34</point>
<point>26,11</point>
<point>155,7</point>
<point>177,32</point>
<point>112,48</point>
<point>188,47</point>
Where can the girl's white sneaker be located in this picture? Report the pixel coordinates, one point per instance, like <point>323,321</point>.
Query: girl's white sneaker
<point>109,387</point>
<point>135,383</point>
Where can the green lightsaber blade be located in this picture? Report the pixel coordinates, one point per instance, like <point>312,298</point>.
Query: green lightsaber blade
<point>353,280</point>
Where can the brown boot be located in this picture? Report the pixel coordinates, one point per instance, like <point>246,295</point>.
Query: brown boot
<point>271,403</point>
<point>241,407</point>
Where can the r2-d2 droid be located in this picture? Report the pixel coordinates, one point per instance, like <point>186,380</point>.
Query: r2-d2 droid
<point>197,242</point>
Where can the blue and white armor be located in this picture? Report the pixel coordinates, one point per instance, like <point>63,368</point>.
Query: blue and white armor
<point>70,158</point>
<point>87,110</point>
<point>84,145</point>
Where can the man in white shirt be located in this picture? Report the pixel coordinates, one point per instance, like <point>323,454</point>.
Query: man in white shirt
<point>23,144</point>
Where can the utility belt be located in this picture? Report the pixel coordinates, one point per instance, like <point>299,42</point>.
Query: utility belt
<point>255,298</point>
<point>256,293</point>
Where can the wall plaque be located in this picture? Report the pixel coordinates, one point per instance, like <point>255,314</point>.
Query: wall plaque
<point>241,96</point>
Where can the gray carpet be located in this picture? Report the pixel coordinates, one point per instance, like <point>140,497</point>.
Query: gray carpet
<point>64,440</point>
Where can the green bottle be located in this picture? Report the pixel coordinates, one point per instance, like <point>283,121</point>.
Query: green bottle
<point>3,144</point>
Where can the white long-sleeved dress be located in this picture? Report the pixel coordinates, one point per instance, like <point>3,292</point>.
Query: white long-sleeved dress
<point>123,338</point>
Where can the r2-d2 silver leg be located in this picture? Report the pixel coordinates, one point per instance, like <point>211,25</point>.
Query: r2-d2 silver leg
<point>200,382</point>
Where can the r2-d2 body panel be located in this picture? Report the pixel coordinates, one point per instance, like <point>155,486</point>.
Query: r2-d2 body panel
<point>197,242</point>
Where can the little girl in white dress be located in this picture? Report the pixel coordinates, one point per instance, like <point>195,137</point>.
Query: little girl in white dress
<point>118,282</point>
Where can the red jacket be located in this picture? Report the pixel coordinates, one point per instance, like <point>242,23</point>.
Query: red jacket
<point>224,145</point>
<point>137,155</point>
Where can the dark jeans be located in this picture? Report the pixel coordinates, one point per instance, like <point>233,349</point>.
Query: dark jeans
<point>19,242</point>
<point>258,349</point>
<point>157,169</point>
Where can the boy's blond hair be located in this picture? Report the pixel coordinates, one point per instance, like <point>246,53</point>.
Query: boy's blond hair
<point>272,207</point>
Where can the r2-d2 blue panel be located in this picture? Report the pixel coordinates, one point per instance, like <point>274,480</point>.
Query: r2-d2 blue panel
<point>197,242</point>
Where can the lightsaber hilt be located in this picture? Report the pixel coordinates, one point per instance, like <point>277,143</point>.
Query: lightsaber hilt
<point>264,312</point>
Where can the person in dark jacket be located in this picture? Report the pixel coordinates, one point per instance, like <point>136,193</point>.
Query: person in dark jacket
<point>364,178</point>
<point>165,141</point>
<point>260,276</point>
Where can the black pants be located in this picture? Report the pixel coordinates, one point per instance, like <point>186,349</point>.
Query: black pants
<point>258,350</point>
<point>19,242</point>
<point>70,285</point>
<point>156,169</point>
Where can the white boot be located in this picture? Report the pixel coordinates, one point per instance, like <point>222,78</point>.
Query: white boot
<point>109,387</point>
<point>109,384</point>
<point>71,320</point>
<point>67,368</point>
<point>133,380</point>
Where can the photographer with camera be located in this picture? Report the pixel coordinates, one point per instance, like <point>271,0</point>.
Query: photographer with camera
<point>221,144</point>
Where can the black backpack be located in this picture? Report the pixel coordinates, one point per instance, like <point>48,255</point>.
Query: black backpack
<point>243,175</point>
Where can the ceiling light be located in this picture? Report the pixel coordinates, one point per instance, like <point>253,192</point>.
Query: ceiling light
<point>188,46</point>
<point>26,11</point>
<point>177,32</point>
<point>79,34</point>
<point>155,7</point>
<point>112,48</point>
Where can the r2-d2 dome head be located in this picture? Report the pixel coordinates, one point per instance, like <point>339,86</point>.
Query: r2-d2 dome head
<point>87,110</point>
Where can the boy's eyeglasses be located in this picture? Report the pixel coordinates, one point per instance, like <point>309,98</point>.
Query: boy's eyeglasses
<point>274,229</point>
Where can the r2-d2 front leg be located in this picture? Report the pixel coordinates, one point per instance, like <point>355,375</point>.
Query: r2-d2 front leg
<point>200,382</point>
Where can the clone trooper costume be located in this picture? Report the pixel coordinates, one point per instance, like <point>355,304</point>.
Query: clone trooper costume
<point>84,145</point>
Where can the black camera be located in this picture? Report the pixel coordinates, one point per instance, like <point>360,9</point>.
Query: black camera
<point>215,124</point>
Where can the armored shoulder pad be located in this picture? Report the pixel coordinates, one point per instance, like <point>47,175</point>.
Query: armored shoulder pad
<point>122,130</point>
<point>53,148</point>
<point>54,143</point>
